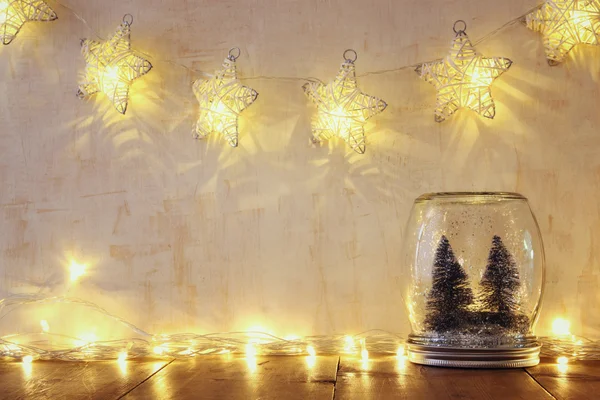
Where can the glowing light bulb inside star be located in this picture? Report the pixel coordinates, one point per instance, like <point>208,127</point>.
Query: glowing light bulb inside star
<point>463,78</point>
<point>14,14</point>
<point>111,67</point>
<point>342,108</point>
<point>77,270</point>
<point>221,100</point>
<point>565,24</point>
<point>3,11</point>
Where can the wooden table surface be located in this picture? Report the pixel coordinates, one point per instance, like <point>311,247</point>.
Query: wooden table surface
<point>288,377</point>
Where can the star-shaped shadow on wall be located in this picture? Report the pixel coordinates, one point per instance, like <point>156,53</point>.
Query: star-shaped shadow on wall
<point>112,67</point>
<point>14,13</point>
<point>564,24</point>
<point>342,109</point>
<point>222,99</point>
<point>463,79</point>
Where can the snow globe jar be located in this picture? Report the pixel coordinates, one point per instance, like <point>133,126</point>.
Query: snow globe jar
<point>473,276</point>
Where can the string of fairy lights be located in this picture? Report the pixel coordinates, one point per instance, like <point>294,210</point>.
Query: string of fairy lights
<point>49,343</point>
<point>462,79</point>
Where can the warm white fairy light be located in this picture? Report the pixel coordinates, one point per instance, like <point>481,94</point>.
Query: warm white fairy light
<point>562,360</point>
<point>77,270</point>
<point>348,344</point>
<point>561,326</point>
<point>562,364</point>
<point>45,326</point>
<point>86,339</point>
<point>364,353</point>
<point>27,369</point>
<point>250,350</point>
<point>251,357</point>
<point>400,351</point>
<point>122,356</point>
<point>184,345</point>
<point>311,359</point>
<point>122,362</point>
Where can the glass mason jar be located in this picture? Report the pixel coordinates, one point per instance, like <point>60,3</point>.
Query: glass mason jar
<point>473,276</point>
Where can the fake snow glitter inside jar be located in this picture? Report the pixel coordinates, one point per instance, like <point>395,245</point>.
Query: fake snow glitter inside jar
<point>473,276</point>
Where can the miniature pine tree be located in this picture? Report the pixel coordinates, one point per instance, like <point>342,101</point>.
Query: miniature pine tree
<point>500,284</point>
<point>450,294</point>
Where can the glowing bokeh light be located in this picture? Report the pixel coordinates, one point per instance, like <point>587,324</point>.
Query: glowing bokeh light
<point>562,360</point>
<point>348,344</point>
<point>45,326</point>
<point>250,350</point>
<point>400,352</point>
<point>86,339</point>
<point>251,357</point>
<point>77,270</point>
<point>561,326</point>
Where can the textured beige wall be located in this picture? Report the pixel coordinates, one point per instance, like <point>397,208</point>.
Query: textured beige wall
<point>194,235</point>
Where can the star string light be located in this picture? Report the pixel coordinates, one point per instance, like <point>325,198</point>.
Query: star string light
<point>14,13</point>
<point>112,66</point>
<point>342,109</point>
<point>463,78</point>
<point>222,99</point>
<point>565,24</point>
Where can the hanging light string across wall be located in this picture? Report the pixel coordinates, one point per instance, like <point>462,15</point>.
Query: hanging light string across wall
<point>487,36</point>
<point>47,343</point>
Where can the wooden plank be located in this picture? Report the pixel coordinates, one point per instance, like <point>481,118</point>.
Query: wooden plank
<point>73,380</point>
<point>231,377</point>
<point>388,378</point>
<point>576,380</point>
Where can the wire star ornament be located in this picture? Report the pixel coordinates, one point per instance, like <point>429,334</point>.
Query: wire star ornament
<point>342,109</point>
<point>565,24</point>
<point>463,78</point>
<point>112,66</point>
<point>222,99</point>
<point>14,14</point>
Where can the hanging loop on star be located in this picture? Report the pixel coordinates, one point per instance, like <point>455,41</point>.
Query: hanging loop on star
<point>350,55</point>
<point>128,19</point>
<point>458,24</point>
<point>234,53</point>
